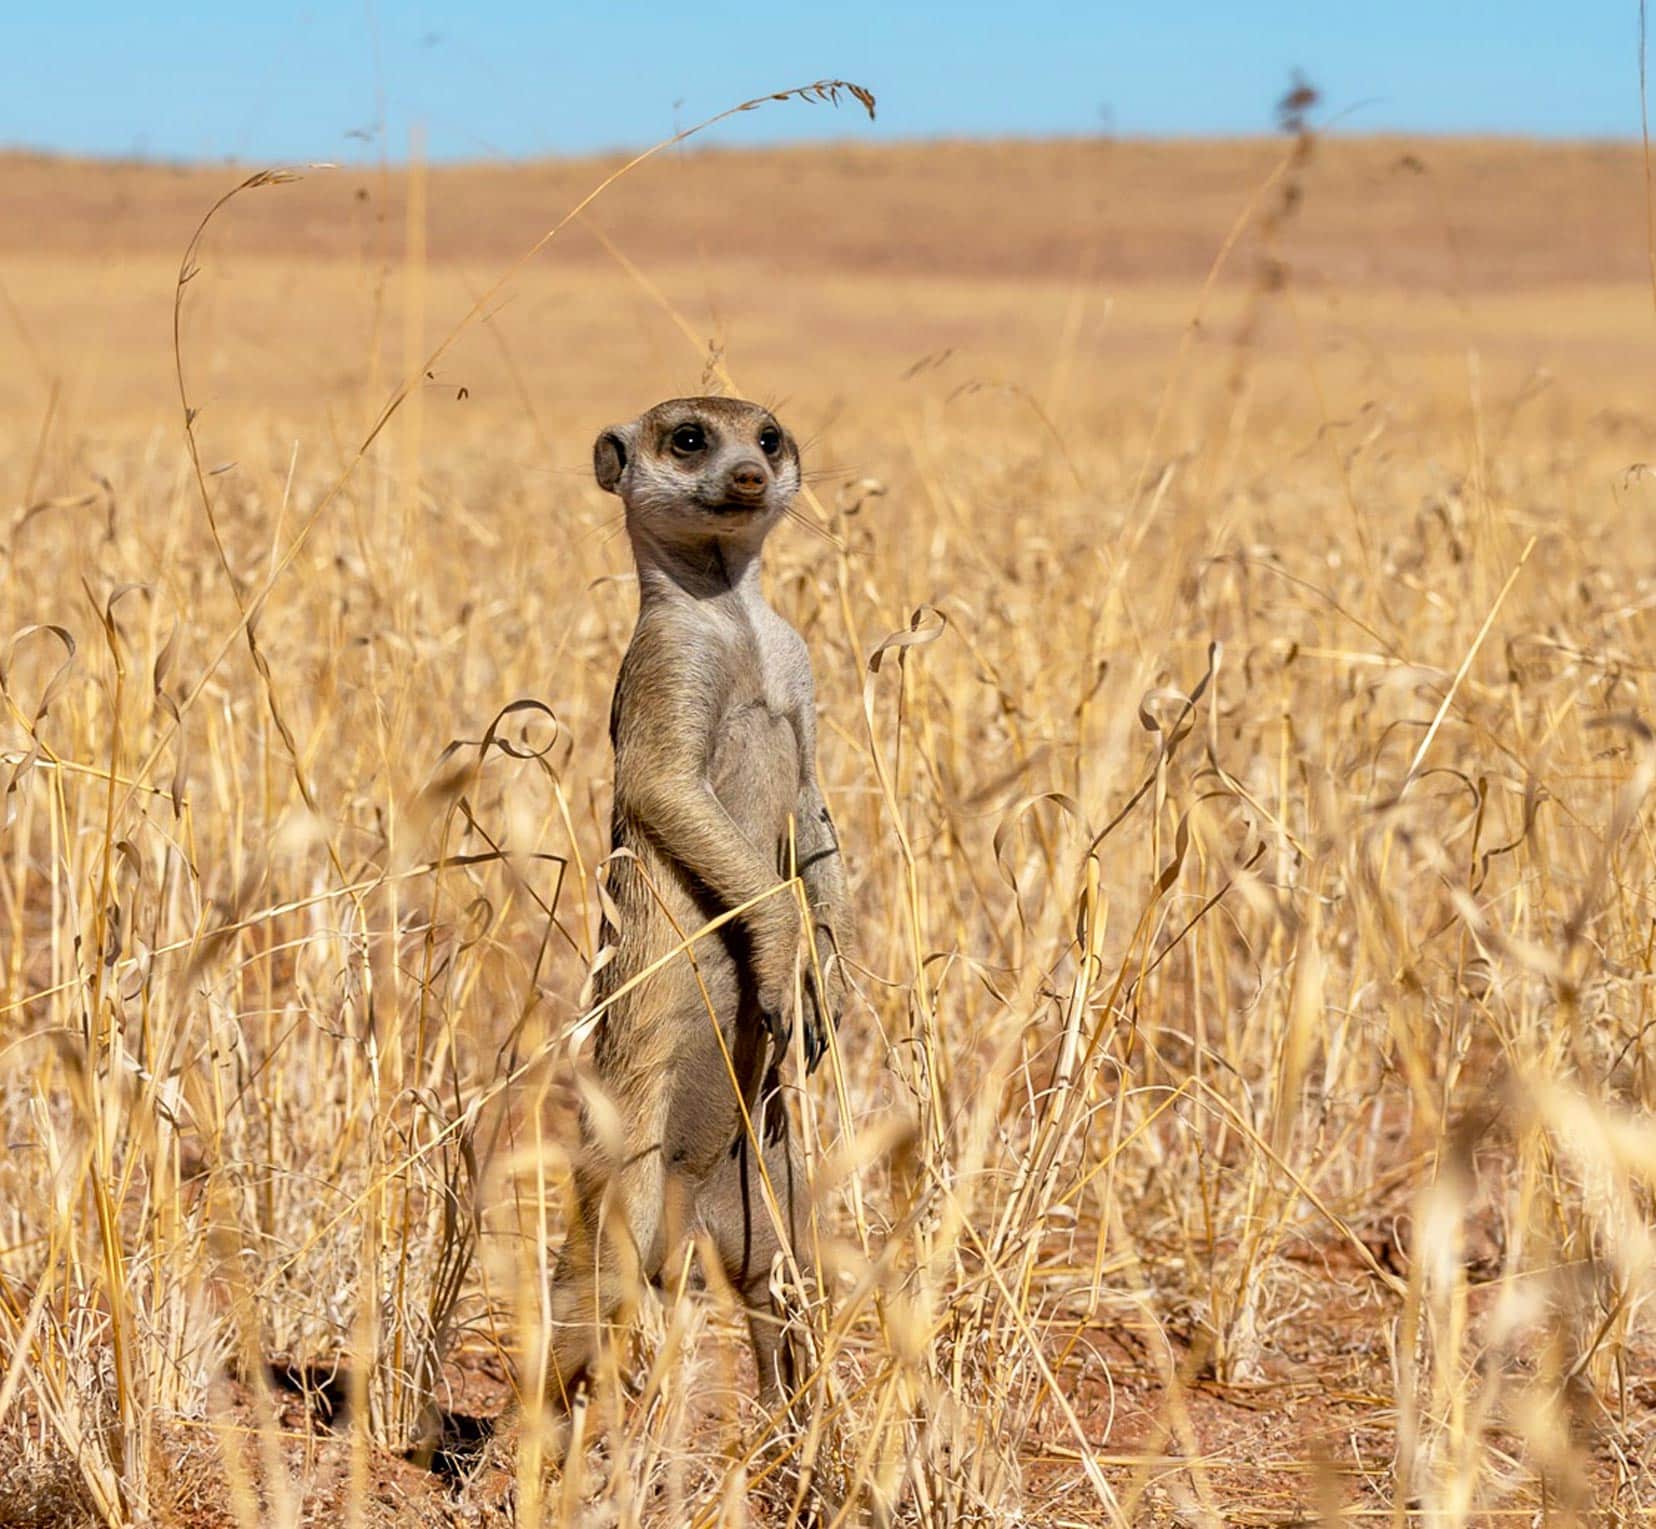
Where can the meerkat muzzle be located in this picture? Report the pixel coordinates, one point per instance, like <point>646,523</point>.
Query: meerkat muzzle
<point>747,482</point>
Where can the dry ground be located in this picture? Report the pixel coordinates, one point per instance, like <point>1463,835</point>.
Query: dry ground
<point>1243,1115</point>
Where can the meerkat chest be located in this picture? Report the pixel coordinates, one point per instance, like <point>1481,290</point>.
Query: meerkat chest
<point>755,769</point>
<point>769,668</point>
<point>756,761</point>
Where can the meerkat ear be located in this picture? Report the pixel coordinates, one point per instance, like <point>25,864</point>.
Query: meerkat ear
<point>610,454</point>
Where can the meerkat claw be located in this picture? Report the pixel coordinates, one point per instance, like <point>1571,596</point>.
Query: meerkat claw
<point>816,1033</point>
<point>779,1029</point>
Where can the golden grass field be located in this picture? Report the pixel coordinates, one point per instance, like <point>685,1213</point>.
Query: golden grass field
<point>1229,574</point>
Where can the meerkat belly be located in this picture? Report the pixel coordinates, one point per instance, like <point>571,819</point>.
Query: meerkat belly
<point>684,1017</point>
<point>755,773</point>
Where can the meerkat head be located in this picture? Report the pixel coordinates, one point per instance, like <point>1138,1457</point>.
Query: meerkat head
<point>695,469</point>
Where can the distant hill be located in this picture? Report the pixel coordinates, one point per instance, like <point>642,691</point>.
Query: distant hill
<point>1458,213</point>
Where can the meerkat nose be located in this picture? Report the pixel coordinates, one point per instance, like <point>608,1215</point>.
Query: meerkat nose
<point>747,480</point>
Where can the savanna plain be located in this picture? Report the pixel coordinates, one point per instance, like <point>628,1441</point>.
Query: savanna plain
<point>1229,572</point>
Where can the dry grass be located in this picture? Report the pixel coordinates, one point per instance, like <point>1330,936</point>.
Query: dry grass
<point>1238,730</point>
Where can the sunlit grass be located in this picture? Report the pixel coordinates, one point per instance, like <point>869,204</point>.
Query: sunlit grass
<point>1243,1110</point>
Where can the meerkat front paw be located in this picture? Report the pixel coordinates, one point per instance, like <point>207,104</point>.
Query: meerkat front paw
<point>775,960</point>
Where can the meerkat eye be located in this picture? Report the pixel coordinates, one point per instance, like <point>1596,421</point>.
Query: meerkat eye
<point>770,440</point>
<point>689,439</point>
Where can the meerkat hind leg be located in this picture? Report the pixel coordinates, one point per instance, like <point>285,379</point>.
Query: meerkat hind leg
<point>587,1297</point>
<point>613,1247</point>
<point>731,1210</point>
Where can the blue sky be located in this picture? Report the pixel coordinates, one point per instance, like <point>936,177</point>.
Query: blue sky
<point>286,82</point>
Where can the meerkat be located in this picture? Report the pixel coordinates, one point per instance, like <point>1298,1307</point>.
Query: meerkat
<point>716,808</point>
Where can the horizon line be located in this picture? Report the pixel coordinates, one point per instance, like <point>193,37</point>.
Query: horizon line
<point>862,143</point>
